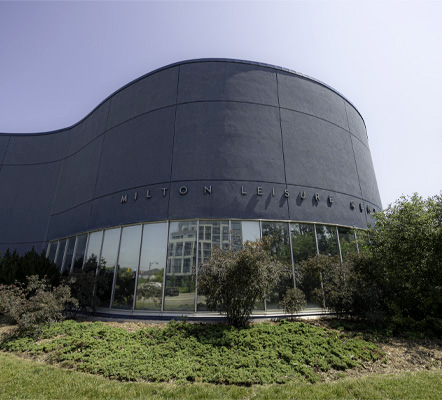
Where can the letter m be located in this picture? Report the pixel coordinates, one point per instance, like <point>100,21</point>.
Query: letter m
<point>124,198</point>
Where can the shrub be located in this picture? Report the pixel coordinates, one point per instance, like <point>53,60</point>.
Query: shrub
<point>233,281</point>
<point>293,301</point>
<point>17,268</point>
<point>34,303</point>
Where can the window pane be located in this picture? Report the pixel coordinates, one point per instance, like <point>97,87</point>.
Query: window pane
<point>79,251</point>
<point>347,241</point>
<point>216,234</point>
<point>93,251</point>
<point>127,267</point>
<point>60,253</point>
<point>66,267</point>
<point>152,265</point>
<point>304,247</point>
<point>327,242</point>
<point>280,247</point>
<point>52,251</point>
<point>108,261</point>
<point>180,286</point>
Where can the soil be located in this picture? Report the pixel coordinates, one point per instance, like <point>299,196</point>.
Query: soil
<point>399,355</point>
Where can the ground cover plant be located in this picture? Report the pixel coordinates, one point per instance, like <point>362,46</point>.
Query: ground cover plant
<point>181,352</point>
<point>26,379</point>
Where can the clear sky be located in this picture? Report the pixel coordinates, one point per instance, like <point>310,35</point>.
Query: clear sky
<point>58,60</point>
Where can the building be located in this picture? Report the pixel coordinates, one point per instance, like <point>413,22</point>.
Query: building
<point>197,154</point>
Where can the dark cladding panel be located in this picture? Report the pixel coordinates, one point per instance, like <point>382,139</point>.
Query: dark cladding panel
<point>33,149</point>
<point>229,141</point>
<point>77,178</point>
<point>208,81</point>
<point>111,211</point>
<point>89,129</point>
<point>337,211</point>
<point>4,140</point>
<point>356,124</point>
<point>311,98</point>
<point>26,200</point>
<point>137,153</point>
<point>227,200</point>
<point>318,154</point>
<point>150,93</point>
<point>367,176</point>
<point>70,222</point>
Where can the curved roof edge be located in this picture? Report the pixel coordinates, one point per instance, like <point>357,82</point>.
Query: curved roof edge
<point>196,60</point>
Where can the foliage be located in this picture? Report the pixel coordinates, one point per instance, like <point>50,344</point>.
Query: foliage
<point>17,268</point>
<point>233,281</point>
<point>294,301</point>
<point>402,262</point>
<point>34,303</point>
<point>181,352</point>
<point>25,379</point>
<point>334,287</point>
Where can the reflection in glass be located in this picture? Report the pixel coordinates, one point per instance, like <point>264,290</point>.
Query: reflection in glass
<point>127,267</point>
<point>60,253</point>
<point>179,294</point>
<point>280,247</point>
<point>80,248</point>
<point>327,241</point>
<point>243,231</point>
<point>93,251</point>
<point>347,241</point>
<point>52,251</point>
<point>211,234</point>
<point>106,267</point>
<point>152,265</point>
<point>66,267</point>
<point>304,247</point>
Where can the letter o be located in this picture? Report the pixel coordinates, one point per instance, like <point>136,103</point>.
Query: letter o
<point>183,190</point>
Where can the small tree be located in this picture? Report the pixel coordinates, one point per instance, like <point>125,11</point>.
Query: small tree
<point>293,301</point>
<point>32,304</point>
<point>233,281</point>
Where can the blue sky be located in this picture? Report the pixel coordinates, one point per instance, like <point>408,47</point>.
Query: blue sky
<point>58,60</point>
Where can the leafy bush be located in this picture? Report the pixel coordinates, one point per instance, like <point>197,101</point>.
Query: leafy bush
<point>17,268</point>
<point>233,281</point>
<point>294,301</point>
<point>34,303</point>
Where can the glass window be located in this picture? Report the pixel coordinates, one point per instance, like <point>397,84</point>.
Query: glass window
<point>52,251</point>
<point>216,234</point>
<point>347,242</point>
<point>80,248</point>
<point>93,251</point>
<point>127,267</point>
<point>60,253</point>
<point>70,246</point>
<point>152,263</point>
<point>327,241</point>
<point>108,261</point>
<point>304,247</point>
<point>280,247</point>
<point>179,294</point>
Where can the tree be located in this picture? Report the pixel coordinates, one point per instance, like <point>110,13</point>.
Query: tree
<point>404,248</point>
<point>233,281</point>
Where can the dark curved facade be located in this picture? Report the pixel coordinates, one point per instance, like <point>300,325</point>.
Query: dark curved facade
<point>201,140</point>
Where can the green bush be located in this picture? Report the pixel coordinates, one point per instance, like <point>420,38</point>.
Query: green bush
<point>233,281</point>
<point>35,303</point>
<point>17,268</point>
<point>293,301</point>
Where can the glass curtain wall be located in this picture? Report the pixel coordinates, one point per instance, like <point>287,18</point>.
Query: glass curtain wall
<point>280,247</point>
<point>152,266</point>
<point>127,267</point>
<point>106,265</point>
<point>211,234</point>
<point>179,293</point>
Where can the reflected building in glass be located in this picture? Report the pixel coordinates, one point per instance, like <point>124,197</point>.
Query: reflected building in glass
<point>195,155</point>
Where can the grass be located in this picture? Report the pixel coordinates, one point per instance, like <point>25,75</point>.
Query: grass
<point>182,352</point>
<point>26,379</point>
